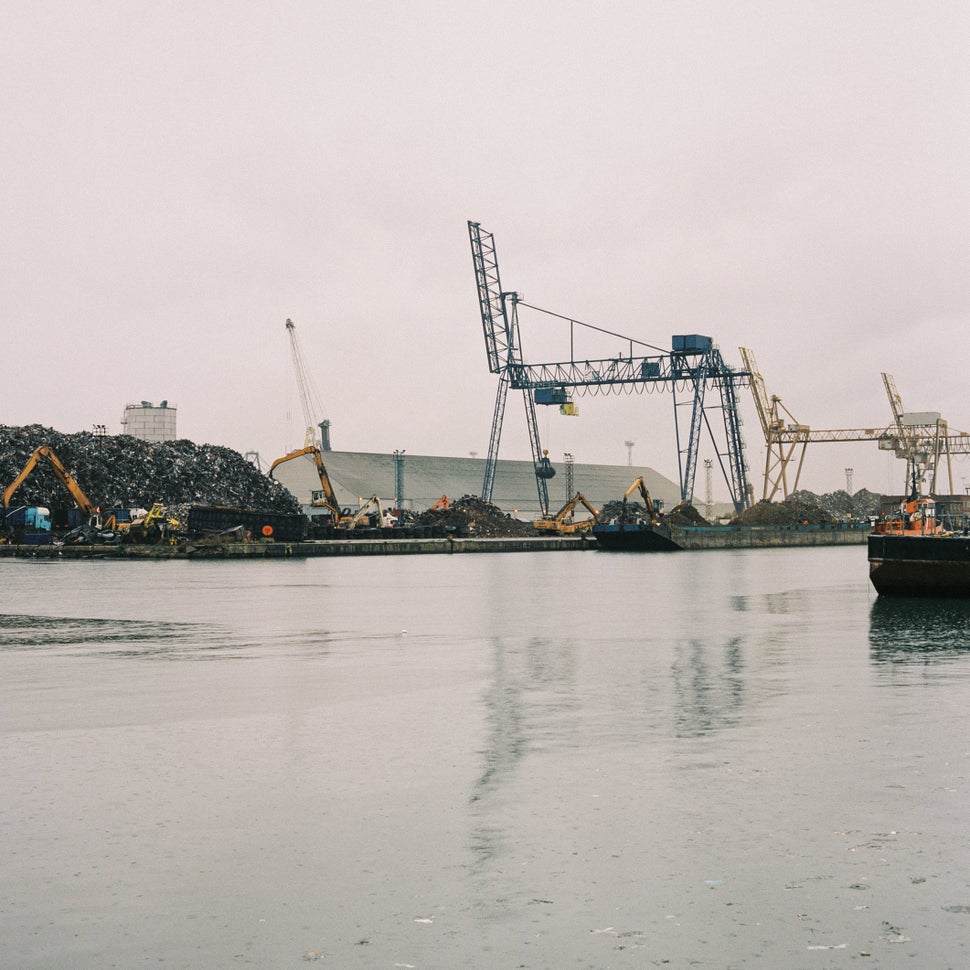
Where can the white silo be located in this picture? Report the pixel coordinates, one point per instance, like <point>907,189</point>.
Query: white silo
<point>148,422</point>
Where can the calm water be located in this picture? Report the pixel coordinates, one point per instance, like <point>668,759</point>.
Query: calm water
<point>562,760</point>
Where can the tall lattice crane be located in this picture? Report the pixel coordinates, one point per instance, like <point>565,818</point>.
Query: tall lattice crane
<point>309,399</point>
<point>922,440</point>
<point>694,365</point>
<point>784,436</point>
<point>909,436</point>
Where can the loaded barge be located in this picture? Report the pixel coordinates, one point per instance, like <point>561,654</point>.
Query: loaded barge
<point>661,537</point>
<point>911,554</point>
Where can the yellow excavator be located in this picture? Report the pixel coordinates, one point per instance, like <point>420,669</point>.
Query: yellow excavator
<point>44,452</point>
<point>562,522</point>
<point>325,498</point>
<point>155,526</point>
<point>653,509</point>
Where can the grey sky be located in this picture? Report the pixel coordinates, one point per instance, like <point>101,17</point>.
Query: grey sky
<point>178,179</point>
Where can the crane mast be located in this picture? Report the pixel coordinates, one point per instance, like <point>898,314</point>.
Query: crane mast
<point>500,326</point>
<point>309,399</point>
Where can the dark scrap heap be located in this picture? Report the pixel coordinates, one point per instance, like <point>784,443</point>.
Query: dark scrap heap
<point>803,507</point>
<point>472,516</point>
<point>122,472</point>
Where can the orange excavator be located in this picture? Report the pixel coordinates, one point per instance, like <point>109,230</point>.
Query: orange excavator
<point>65,478</point>
<point>325,497</point>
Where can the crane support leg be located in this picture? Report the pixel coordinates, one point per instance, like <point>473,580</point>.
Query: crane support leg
<point>537,457</point>
<point>491,462</point>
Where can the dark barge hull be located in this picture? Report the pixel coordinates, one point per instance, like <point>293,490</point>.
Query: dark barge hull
<point>635,537</point>
<point>920,565</point>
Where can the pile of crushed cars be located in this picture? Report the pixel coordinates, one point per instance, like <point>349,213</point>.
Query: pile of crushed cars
<point>807,508</point>
<point>471,516</point>
<point>120,472</point>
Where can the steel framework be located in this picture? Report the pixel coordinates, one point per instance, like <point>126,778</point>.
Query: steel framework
<point>693,367</point>
<point>921,444</point>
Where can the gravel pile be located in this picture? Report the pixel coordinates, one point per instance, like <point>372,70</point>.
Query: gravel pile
<point>122,472</point>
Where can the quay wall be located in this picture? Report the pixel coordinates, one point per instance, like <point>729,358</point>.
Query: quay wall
<point>767,537</point>
<point>261,549</point>
<point>690,539</point>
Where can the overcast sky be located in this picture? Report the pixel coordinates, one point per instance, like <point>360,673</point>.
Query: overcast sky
<point>180,178</point>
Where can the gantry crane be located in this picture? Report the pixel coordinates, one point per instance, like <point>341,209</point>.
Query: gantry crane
<point>787,439</point>
<point>921,440</point>
<point>694,365</point>
<point>309,400</point>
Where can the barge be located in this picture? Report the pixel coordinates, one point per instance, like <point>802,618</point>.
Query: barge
<point>920,565</point>
<point>660,537</point>
<point>912,554</point>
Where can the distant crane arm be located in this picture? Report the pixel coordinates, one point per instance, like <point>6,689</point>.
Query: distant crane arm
<point>308,397</point>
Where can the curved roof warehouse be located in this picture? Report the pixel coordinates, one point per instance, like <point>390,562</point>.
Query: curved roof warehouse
<point>358,475</point>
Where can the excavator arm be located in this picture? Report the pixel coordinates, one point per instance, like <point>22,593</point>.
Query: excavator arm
<point>639,486</point>
<point>562,521</point>
<point>63,476</point>
<point>363,512</point>
<point>329,500</point>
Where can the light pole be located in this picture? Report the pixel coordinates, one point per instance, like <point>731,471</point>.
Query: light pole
<point>399,478</point>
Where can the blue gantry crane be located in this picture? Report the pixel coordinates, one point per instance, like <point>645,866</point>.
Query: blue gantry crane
<point>690,369</point>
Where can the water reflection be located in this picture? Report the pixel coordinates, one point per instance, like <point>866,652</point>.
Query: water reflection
<point>709,689</point>
<point>541,697</point>
<point>904,630</point>
<point>526,690</point>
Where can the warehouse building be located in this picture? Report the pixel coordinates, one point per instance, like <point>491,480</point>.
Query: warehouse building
<point>357,476</point>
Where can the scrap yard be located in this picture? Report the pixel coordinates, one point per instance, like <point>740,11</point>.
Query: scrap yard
<point>80,495</point>
<point>147,492</point>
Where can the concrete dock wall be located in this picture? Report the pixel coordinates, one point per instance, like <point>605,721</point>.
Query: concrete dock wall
<point>768,537</point>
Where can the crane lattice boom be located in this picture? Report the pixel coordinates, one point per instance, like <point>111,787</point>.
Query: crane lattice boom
<point>309,399</point>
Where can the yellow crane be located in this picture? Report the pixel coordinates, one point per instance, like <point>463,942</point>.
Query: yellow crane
<point>787,438</point>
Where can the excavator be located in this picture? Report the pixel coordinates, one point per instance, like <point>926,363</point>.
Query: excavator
<point>562,522</point>
<point>325,498</point>
<point>382,519</point>
<point>653,509</point>
<point>64,477</point>
<point>155,526</point>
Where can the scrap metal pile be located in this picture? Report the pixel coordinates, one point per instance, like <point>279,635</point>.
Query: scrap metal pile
<point>803,507</point>
<point>119,472</point>
<point>472,516</point>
